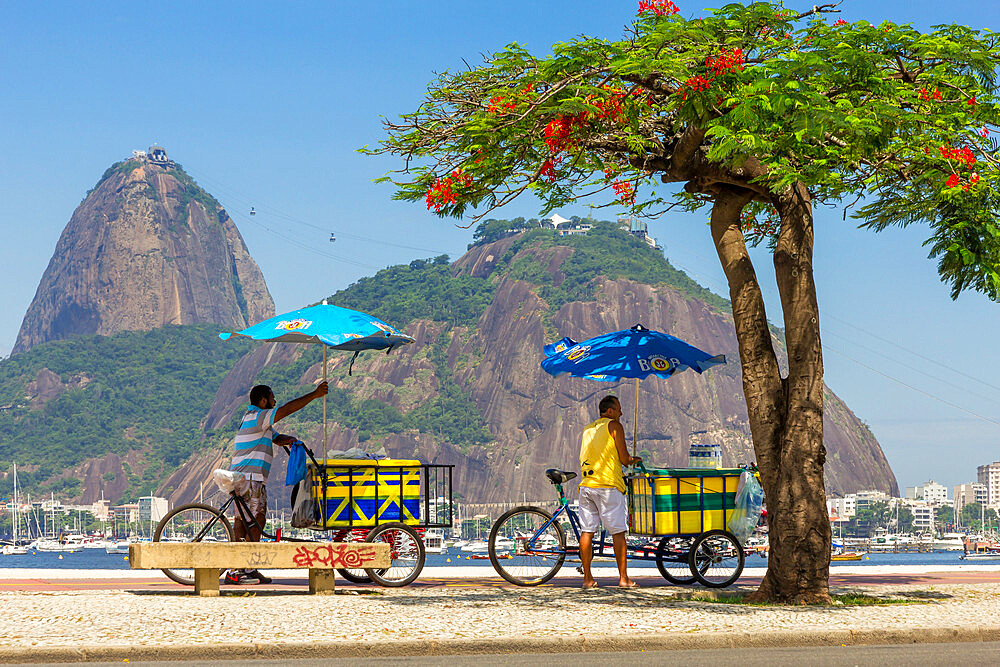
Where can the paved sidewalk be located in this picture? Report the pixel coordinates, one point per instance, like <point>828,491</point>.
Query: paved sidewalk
<point>113,625</point>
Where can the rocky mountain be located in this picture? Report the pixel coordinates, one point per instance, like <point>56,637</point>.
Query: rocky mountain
<point>100,415</point>
<point>477,359</point>
<point>147,247</point>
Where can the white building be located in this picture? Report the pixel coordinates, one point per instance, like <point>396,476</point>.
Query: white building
<point>931,492</point>
<point>989,476</point>
<point>923,515</point>
<point>842,508</point>
<point>152,508</point>
<point>965,494</point>
<point>865,499</point>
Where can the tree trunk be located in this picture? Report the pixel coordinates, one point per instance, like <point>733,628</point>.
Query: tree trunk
<point>786,414</point>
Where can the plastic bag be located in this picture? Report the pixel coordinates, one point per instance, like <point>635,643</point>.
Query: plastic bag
<point>305,511</point>
<point>749,505</point>
<point>296,470</point>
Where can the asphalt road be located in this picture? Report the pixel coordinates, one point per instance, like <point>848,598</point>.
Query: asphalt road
<point>985,653</point>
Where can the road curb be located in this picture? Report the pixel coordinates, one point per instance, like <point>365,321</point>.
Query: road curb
<point>522,645</point>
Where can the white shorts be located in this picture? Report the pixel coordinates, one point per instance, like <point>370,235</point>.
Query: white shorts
<point>602,506</point>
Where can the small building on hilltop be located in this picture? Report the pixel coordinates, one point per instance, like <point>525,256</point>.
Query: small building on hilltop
<point>157,154</point>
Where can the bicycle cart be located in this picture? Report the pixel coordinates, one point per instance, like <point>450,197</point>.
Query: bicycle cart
<point>678,518</point>
<point>355,500</point>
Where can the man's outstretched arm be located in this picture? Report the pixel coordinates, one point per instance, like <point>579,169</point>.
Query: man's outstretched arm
<point>297,404</point>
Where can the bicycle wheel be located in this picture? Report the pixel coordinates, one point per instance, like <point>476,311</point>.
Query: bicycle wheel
<point>406,555</point>
<point>189,523</point>
<point>716,558</point>
<point>526,547</point>
<point>672,560</point>
<point>358,576</point>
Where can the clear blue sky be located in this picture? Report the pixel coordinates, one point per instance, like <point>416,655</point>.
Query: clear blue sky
<point>265,105</point>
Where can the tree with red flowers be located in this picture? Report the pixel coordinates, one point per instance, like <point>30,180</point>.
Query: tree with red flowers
<point>756,112</point>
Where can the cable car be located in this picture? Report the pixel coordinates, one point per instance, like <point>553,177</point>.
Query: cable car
<point>332,238</point>
<point>252,212</point>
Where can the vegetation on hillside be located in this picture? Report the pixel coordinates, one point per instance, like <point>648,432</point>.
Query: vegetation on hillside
<point>133,390</point>
<point>150,390</point>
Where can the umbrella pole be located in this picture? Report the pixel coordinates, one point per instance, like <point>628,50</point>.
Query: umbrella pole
<point>635,420</point>
<point>324,406</point>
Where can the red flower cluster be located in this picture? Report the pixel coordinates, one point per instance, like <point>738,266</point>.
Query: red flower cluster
<point>442,192</point>
<point>840,22</point>
<point>971,102</point>
<point>725,62</point>
<point>955,180</point>
<point>985,132</point>
<point>695,84</point>
<point>963,155</point>
<point>625,191</point>
<point>926,95</point>
<point>499,104</point>
<point>548,171</point>
<point>558,130</point>
<point>769,226</point>
<point>658,7</point>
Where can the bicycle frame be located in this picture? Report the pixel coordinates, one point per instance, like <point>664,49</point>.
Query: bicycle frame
<point>602,546</point>
<point>249,520</point>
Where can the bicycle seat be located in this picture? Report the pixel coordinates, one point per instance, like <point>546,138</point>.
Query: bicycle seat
<point>559,476</point>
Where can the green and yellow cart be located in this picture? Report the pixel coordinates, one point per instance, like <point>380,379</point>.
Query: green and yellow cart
<point>679,518</point>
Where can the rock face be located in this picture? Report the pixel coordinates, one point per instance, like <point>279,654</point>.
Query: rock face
<point>535,419</point>
<point>147,247</point>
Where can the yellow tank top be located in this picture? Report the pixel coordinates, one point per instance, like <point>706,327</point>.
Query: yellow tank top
<point>599,462</point>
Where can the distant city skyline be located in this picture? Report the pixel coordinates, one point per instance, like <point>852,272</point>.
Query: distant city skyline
<point>265,106</point>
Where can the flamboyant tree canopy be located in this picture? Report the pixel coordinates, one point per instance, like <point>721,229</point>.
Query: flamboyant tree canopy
<point>893,122</point>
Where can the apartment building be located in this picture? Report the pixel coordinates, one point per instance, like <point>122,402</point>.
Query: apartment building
<point>989,476</point>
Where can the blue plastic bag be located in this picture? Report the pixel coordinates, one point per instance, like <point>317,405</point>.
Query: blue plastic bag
<point>296,471</point>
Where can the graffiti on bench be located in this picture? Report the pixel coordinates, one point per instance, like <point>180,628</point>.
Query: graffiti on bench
<point>259,559</point>
<point>334,555</point>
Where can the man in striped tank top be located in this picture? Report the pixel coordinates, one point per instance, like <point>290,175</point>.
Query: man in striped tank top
<point>253,450</point>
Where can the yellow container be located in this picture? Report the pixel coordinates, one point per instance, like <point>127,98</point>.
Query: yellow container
<point>682,501</point>
<point>364,494</point>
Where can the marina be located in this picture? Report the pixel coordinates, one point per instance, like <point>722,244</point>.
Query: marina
<point>99,559</point>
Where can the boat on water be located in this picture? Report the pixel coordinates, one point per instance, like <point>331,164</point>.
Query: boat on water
<point>949,542</point>
<point>434,541</point>
<point>14,548</point>
<point>476,547</point>
<point>847,555</point>
<point>55,545</point>
<point>980,555</point>
<point>120,547</point>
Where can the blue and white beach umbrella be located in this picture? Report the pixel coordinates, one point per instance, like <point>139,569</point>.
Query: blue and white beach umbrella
<point>630,353</point>
<point>332,327</point>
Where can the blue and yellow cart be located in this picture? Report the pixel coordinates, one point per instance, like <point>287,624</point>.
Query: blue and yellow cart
<point>387,500</point>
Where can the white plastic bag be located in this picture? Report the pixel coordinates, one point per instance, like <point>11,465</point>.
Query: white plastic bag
<point>305,511</point>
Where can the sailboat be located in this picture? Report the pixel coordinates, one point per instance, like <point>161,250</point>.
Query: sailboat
<point>14,549</point>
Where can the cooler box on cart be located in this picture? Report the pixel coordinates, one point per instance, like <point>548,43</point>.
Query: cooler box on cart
<point>682,501</point>
<point>364,494</point>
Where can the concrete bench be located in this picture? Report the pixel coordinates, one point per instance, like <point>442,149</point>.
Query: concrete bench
<point>208,559</point>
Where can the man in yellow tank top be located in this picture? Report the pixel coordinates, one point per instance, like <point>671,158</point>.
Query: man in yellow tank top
<point>602,490</point>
